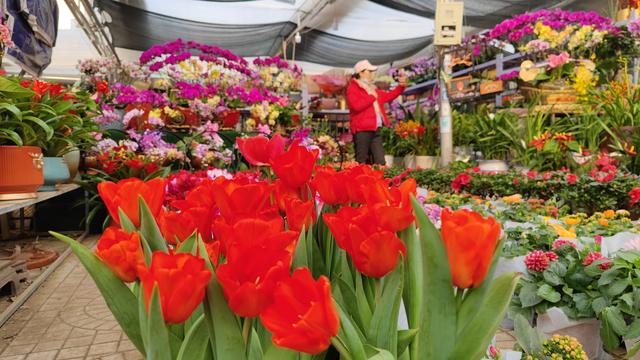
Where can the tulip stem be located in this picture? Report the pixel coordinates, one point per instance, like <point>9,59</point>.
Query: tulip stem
<point>378,290</point>
<point>459,297</point>
<point>344,353</point>
<point>246,330</point>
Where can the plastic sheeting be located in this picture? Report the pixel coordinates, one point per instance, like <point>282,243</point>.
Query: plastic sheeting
<point>138,28</point>
<point>34,25</point>
<point>478,13</point>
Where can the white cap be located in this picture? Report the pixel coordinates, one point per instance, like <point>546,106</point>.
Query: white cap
<point>363,65</point>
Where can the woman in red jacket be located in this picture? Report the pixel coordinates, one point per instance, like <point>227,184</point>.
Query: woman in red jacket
<point>366,107</point>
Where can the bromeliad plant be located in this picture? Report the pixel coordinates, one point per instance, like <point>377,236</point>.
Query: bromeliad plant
<point>247,269</point>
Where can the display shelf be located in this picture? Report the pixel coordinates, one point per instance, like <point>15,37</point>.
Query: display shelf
<point>7,206</point>
<point>498,63</point>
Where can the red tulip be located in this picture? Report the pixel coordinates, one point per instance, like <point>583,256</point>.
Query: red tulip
<point>300,213</point>
<point>259,150</point>
<point>237,201</point>
<point>283,192</point>
<point>258,256</point>
<point>331,185</point>
<point>358,178</point>
<point>391,205</point>
<point>295,166</point>
<point>373,249</point>
<point>302,316</point>
<point>181,280</point>
<point>121,252</point>
<point>178,226</point>
<point>213,251</point>
<point>470,241</point>
<point>125,193</point>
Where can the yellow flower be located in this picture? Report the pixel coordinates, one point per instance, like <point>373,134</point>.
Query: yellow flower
<point>171,112</point>
<point>571,221</point>
<point>585,79</point>
<point>155,113</point>
<point>562,232</point>
<point>516,198</point>
<point>609,214</point>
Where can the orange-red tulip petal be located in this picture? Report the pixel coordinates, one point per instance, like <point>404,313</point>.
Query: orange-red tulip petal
<point>302,316</point>
<point>181,280</point>
<point>121,252</point>
<point>470,241</point>
<point>125,193</point>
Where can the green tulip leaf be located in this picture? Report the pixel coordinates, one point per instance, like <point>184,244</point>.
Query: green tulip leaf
<point>126,224</point>
<point>350,303</point>
<point>413,291</point>
<point>437,324</point>
<point>350,337</point>
<point>374,353</point>
<point>119,298</point>
<point>475,339</point>
<point>188,246</point>
<point>196,343</point>
<point>157,332</point>
<point>149,229</point>
<point>255,347</point>
<point>300,257</point>
<point>383,330</point>
<point>405,337</point>
<point>224,328</point>
<point>277,353</point>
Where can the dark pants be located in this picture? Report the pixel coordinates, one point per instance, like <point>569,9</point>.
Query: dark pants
<point>369,143</point>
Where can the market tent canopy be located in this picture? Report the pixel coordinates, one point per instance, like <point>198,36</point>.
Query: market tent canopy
<point>339,32</point>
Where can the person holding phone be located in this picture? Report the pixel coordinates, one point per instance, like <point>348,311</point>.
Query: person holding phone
<point>367,113</point>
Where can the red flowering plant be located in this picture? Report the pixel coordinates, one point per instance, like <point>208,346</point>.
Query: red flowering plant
<point>241,268</point>
<point>552,151</point>
<point>567,278</point>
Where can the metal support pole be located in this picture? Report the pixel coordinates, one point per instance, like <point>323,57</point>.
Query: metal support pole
<point>444,114</point>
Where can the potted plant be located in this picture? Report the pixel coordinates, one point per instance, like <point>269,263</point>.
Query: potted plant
<point>407,137</point>
<point>536,347</point>
<point>20,133</point>
<point>491,141</point>
<point>388,142</point>
<point>563,291</point>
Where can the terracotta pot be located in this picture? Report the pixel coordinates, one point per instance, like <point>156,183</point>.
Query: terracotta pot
<point>230,118</point>
<point>20,172</point>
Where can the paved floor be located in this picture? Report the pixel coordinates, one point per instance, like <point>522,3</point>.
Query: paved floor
<point>68,319</point>
<point>65,319</point>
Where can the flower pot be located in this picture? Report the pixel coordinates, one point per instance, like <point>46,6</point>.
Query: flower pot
<point>230,118</point>
<point>628,344</point>
<point>398,161</point>
<point>20,172</point>
<point>410,161</point>
<point>493,165</point>
<point>586,331</point>
<point>72,159</point>
<point>427,162</point>
<point>388,160</point>
<point>55,172</point>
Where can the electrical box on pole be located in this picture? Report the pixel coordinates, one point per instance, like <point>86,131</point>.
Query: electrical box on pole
<point>448,32</point>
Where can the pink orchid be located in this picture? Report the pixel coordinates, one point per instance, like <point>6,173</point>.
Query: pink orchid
<point>558,60</point>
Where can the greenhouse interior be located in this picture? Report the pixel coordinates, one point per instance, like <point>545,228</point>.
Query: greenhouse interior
<point>319,179</point>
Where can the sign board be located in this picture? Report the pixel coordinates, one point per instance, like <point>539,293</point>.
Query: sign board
<point>448,23</point>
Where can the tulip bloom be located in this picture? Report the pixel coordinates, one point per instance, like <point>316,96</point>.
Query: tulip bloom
<point>470,241</point>
<point>331,185</point>
<point>302,316</point>
<point>258,256</point>
<point>121,252</point>
<point>295,166</point>
<point>299,213</point>
<point>391,205</point>
<point>259,150</point>
<point>181,280</point>
<point>178,226</point>
<point>237,201</point>
<point>125,193</point>
<point>373,250</point>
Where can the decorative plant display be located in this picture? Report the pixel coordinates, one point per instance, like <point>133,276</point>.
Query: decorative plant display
<point>327,281</point>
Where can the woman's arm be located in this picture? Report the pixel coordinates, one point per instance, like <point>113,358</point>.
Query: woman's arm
<point>358,100</point>
<point>387,96</point>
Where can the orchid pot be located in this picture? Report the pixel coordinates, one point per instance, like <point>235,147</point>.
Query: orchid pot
<point>388,160</point>
<point>427,162</point>
<point>55,172</point>
<point>410,161</point>
<point>493,165</point>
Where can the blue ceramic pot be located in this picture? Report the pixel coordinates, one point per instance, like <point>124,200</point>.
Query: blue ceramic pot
<point>55,172</point>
